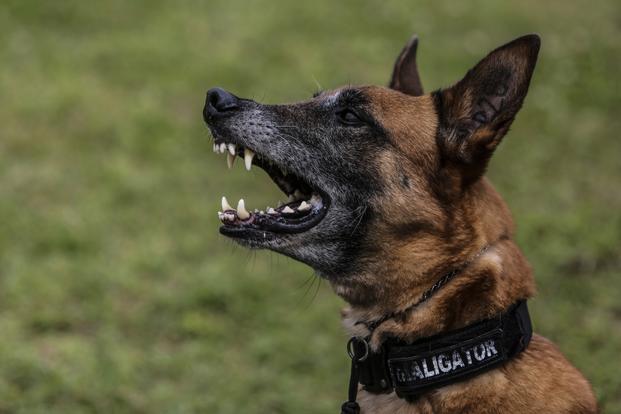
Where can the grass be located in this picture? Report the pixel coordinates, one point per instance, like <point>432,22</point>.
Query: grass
<point>117,294</point>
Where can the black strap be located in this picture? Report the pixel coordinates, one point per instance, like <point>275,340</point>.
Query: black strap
<point>440,360</point>
<point>358,351</point>
<point>351,406</point>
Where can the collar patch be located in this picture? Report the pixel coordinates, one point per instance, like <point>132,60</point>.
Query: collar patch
<point>430,367</point>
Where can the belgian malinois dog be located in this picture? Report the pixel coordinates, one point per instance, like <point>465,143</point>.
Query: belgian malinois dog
<point>389,203</point>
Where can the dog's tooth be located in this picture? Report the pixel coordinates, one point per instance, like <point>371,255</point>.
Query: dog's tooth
<point>225,204</point>
<point>261,212</point>
<point>271,211</point>
<point>315,200</point>
<point>222,148</point>
<point>241,210</point>
<point>248,155</point>
<point>304,206</point>
<point>220,215</point>
<point>229,216</point>
<point>291,198</point>
<point>232,149</point>
<point>287,210</point>
<point>230,160</point>
<point>298,195</point>
<point>215,147</point>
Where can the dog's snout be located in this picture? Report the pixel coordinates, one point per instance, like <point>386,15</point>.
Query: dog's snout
<point>219,103</point>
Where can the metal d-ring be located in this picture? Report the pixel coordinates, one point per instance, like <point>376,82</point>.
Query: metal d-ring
<point>351,351</point>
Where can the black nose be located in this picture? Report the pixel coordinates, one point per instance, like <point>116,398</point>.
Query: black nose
<point>220,102</point>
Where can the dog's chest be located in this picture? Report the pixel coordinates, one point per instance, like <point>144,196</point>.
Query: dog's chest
<point>391,404</point>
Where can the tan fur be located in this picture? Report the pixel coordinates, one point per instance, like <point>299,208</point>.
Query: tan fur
<point>411,255</point>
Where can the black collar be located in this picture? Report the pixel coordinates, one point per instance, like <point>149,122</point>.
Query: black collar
<point>440,360</point>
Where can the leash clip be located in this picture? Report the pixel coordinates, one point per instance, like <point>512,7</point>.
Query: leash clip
<point>351,349</point>
<point>353,345</point>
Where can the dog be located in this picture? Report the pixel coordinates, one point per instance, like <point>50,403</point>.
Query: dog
<point>387,200</point>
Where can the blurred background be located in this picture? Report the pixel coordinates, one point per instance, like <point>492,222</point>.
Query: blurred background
<point>117,295</point>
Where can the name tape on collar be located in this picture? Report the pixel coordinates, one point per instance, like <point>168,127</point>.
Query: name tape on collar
<point>427,368</point>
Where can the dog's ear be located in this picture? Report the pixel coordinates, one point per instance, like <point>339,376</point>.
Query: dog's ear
<point>476,113</point>
<point>405,73</point>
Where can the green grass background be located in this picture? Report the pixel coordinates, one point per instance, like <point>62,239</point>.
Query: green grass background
<point>117,295</point>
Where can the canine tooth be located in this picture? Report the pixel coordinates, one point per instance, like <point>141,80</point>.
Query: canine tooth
<point>304,206</point>
<point>230,160</point>
<point>271,211</point>
<point>232,149</point>
<point>222,148</point>
<point>215,147</point>
<point>261,212</point>
<point>298,194</point>
<point>248,155</point>
<point>287,210</point>
<point>291,198</point>
<point>220,215</point>
<point>241,210</point>
<point>225,205</point>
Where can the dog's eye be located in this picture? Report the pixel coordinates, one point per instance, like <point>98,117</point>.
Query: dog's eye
<point>349,117</point>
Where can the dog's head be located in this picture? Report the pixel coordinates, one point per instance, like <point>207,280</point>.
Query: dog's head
<point>372,172</point>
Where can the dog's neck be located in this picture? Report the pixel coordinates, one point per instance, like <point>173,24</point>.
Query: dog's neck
<point>485,285</point>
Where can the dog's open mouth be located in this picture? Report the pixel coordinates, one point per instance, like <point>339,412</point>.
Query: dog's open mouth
<point>305,208</point>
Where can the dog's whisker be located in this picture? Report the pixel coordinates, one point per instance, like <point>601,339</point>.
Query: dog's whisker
<point>363,210</point>
<point>315,281</point>
<point>319,282</point>
<point>306,282</point>
<point>316,83</point>
<point>309,286</point>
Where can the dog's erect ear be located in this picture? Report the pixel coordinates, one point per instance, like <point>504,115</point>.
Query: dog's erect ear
<point>405,73</point>
<point>476,113</point>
